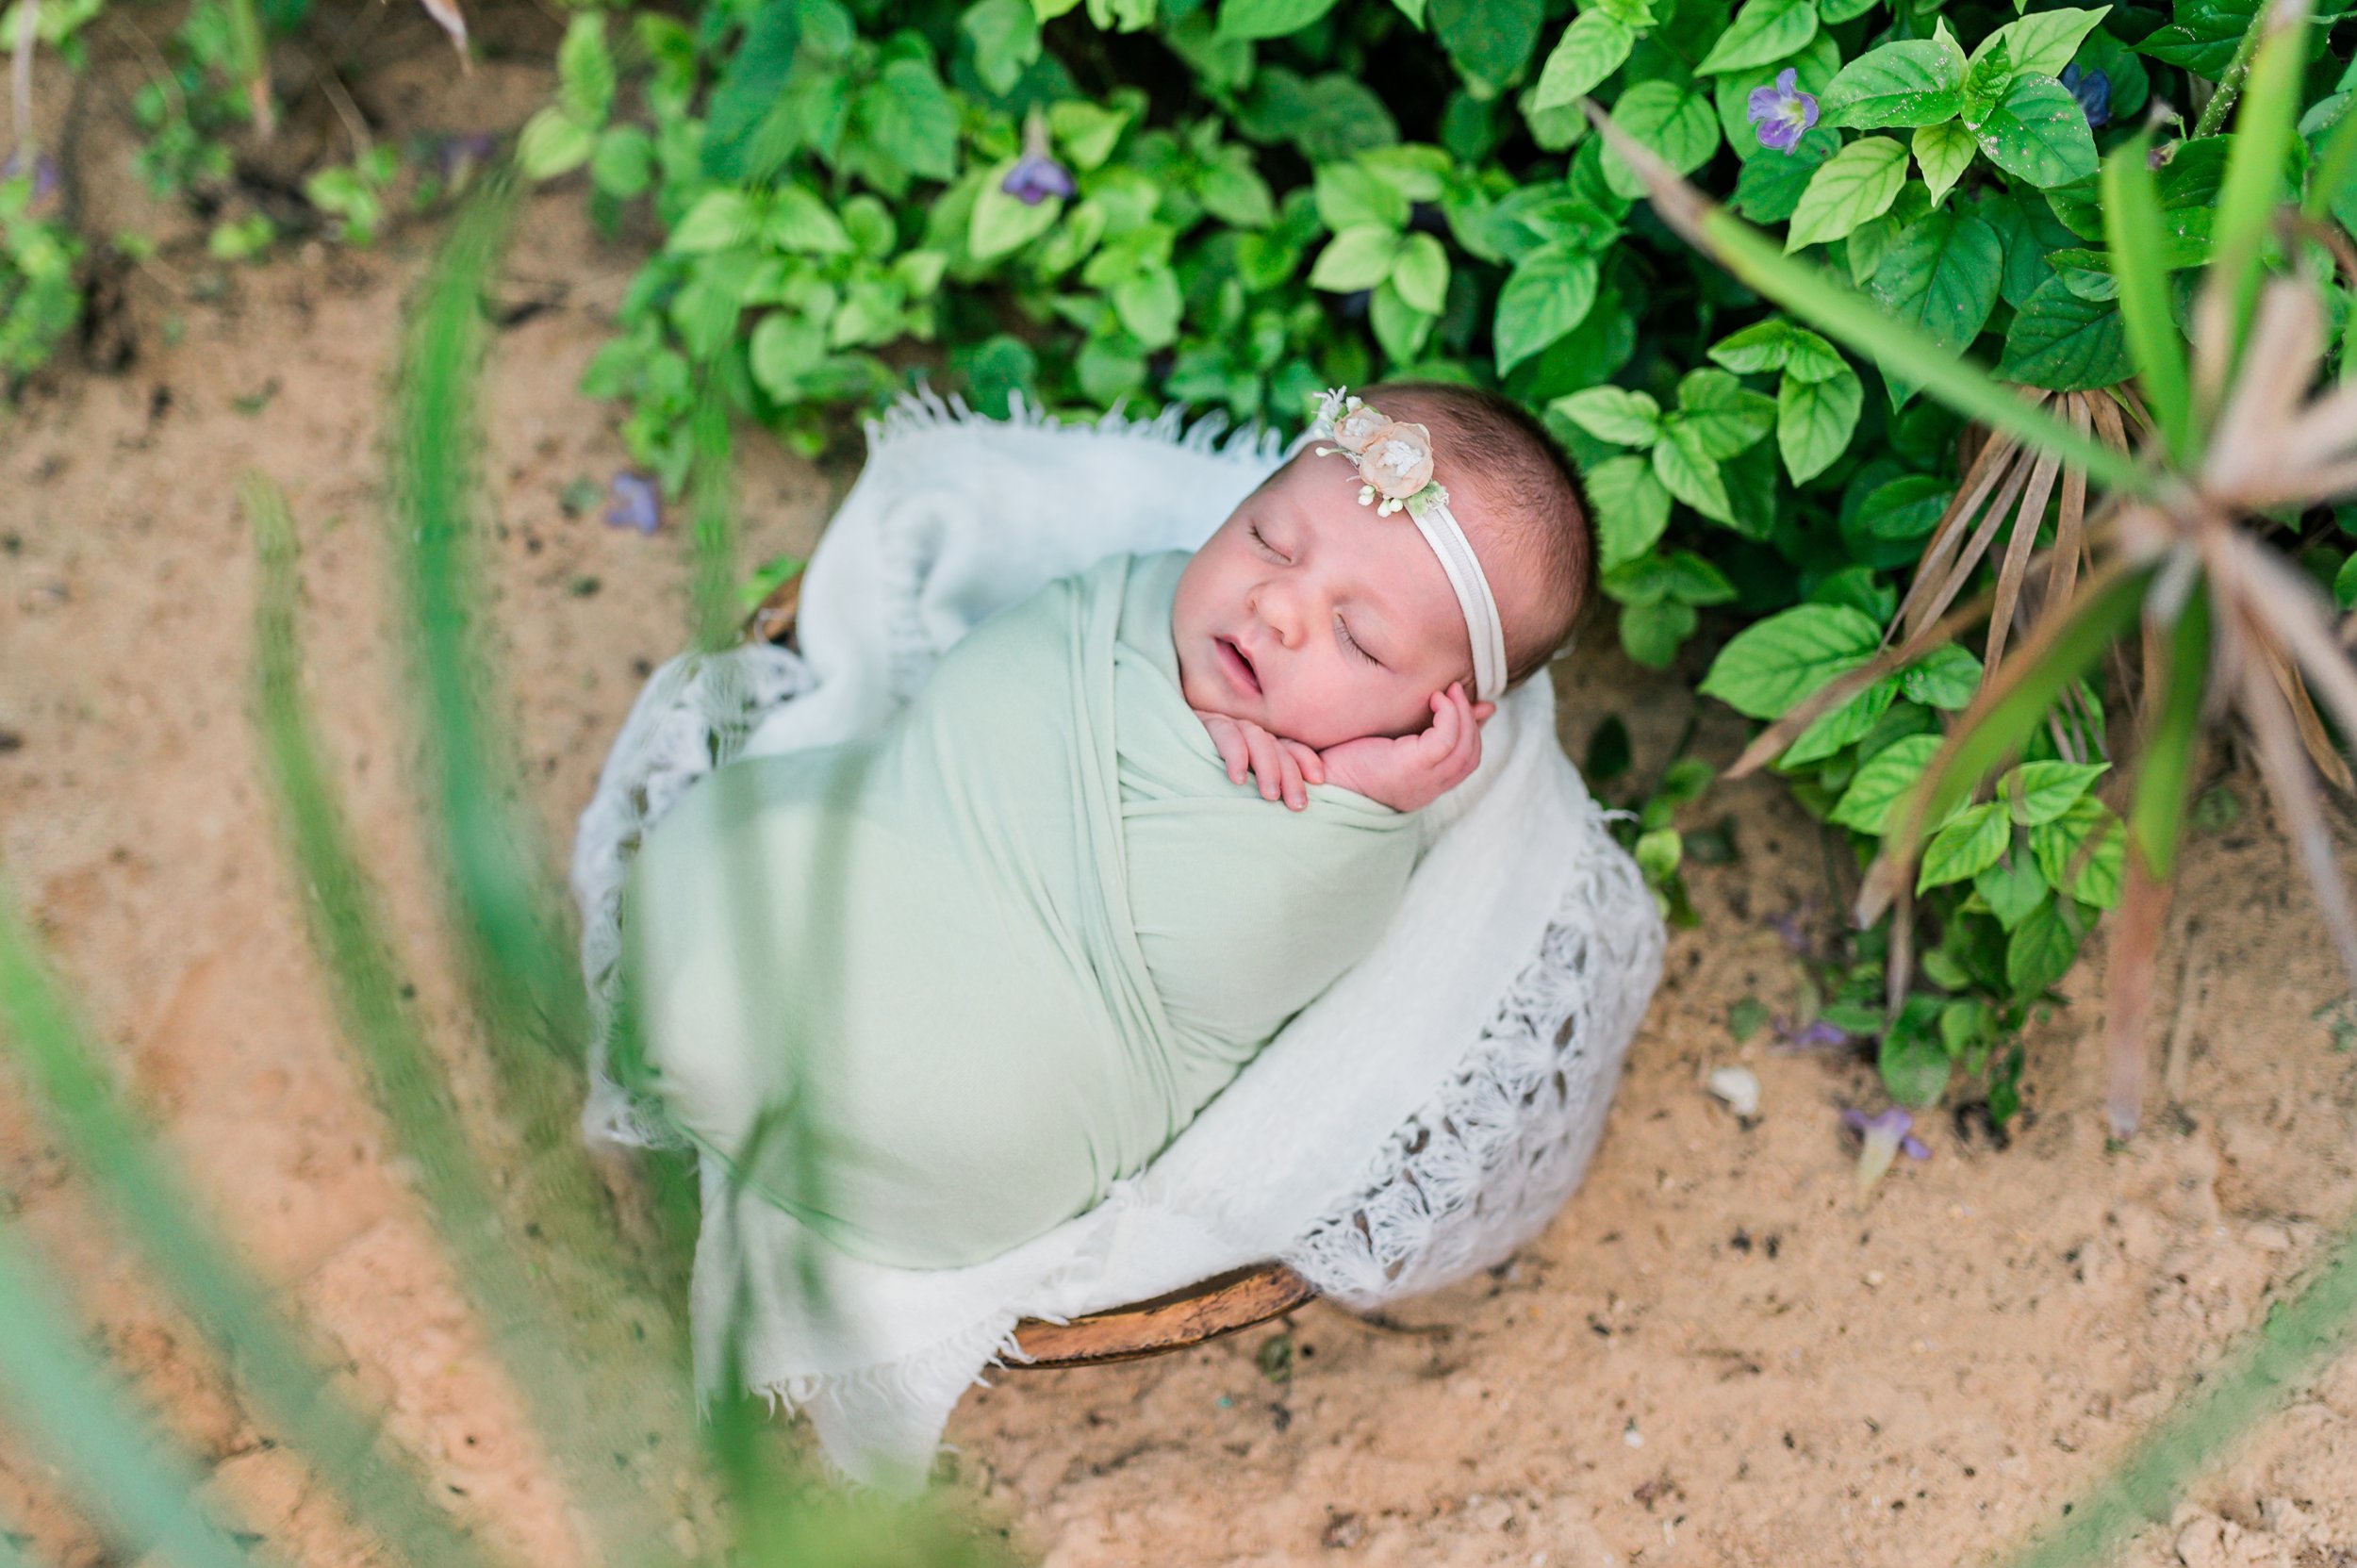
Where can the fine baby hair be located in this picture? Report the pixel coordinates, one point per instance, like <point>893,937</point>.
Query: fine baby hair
<point>1519,500</point>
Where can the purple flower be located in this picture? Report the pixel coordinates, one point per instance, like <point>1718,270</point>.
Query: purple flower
<point>1882,1139</point>
<point>632,501</point>
<point>2094,91</point>
<point>1034,178</point>
<point>44,174</point>
<point>1037,176</point>
<point>1808,1036</point>
<point>1783,112</point>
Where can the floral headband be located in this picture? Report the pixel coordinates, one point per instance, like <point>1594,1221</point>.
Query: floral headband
<point>1394,462</point>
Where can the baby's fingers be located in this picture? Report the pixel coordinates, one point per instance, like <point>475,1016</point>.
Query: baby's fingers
<point>1312,765</point>
<point>1232,750</point>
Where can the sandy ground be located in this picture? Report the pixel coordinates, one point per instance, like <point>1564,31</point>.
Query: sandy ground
<point>1714,1355</point>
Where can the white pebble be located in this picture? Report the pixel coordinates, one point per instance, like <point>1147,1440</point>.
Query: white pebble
<point>1738,1087</point>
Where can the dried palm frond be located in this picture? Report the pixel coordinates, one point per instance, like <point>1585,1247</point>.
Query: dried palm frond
<point>2225,621</point>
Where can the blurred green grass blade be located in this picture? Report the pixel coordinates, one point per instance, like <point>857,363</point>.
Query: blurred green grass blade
<point>2001,721</point>
<point>141,1488</point>
<point>2256,162</point>
<point>278,1365</point>
<point>2142,1491</point>
<point>523,971</point>
<point>2132,226</point>
<point>1842,312</point>
<point>2156,812</point>
<point>591,1390</point>
<point>2334,166</point>
<point>713,512</point>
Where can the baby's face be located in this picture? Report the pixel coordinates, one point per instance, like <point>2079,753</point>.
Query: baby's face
<point>1316,620</point>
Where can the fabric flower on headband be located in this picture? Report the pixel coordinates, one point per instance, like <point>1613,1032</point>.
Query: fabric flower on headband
<point>1394,458</point>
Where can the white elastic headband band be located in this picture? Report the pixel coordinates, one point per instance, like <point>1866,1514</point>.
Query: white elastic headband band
<point>1394,463</point>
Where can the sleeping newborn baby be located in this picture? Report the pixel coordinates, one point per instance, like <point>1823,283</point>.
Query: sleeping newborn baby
<point>933,991</point>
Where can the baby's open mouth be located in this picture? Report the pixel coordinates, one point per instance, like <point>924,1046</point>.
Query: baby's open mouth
<point>1238,667</point>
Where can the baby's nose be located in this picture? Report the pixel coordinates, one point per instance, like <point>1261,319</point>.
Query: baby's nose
<point>1281,614</point>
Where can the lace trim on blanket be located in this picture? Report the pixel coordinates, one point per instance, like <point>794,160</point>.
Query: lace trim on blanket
<point>1483,1168</point>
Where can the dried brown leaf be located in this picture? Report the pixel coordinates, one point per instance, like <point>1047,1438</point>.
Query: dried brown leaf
<point>2026,523</point>
<point>1987,470</point>
<point>2249,448</point>
<point>2286,769</point>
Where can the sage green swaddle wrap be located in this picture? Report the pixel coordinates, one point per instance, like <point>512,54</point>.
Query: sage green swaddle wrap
<point>993,958</point>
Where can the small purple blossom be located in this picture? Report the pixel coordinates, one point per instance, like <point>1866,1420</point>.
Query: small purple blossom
<point>1809,1036</point>
<point>1882,1139</point>
<point>44,174</point>
<point>1037,176</point>
<point>1783,112</point>
<point>2094,91</point>
<point>632,501</point>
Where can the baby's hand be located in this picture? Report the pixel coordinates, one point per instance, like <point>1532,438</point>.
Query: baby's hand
<point>1284,767</point>
<point>1412,771</point>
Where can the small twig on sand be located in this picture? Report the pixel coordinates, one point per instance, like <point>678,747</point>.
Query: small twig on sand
<point>20,82</point>
<point>2190,981</point>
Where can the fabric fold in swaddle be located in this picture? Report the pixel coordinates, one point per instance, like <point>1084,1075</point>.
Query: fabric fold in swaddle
<point>935,990</point>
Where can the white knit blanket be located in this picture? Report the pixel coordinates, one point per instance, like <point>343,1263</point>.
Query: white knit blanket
<point>1420,1120</point>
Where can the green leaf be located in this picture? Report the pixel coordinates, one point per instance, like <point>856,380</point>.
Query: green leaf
<point>1772,664</point>
<point>1400,328</point>
<point>1815,421</point>
<point>1001,222</point>
<point>552,143</point>
<point>2036,793</point>
<point>1920,82</point>
<point>1549,292</point>
<point>1591,49</point>
<point>1763,31</point>
<point>907,115</point>
<point>1614,414</point>
<point>800,221</point>
<point>1905,508</point>
<point>1652,633</point>
<point>785,349</point>
<point>1006,40</point>
<point>1761,348</point>
<point>1719,416</point>
<point>1913,1060</point>
<point>1966,847</point>
<point>1946,677</point>
<point>719,219</point>
<point>1490,41</point>
<point>1632,509</point>
<point>2132,224</point>
<point>1941,277</point>
<point>1858,183</point>
<point>2041,951</point>
<point>1849,722</point>
<point>1421,273</point>
<point>623,165</point>
<point>2203,36</point>
<point>1358,258</point>
<point>1694,479</point>
<point>1233,192</point>
<point>2012,888</point>
<point>1242,19</point>
<point>2062,341</point>
<point>2086,838</point>
<point>1089,132</point>
<point>1675,119</point>
<point>1636,15</point>
<point>1814,360</point>
<point>1349,194</point>
<point>1770,186</point>
<point>2043,41</point>
<point>584,71</point>
<point>748,89</point>
<point>1881,782</point>
<point>1943,152</point>
<point>1148,303</point>
<point>2037,131</point>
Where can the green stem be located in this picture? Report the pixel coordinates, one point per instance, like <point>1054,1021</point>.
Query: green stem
<point>2230,84</point>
